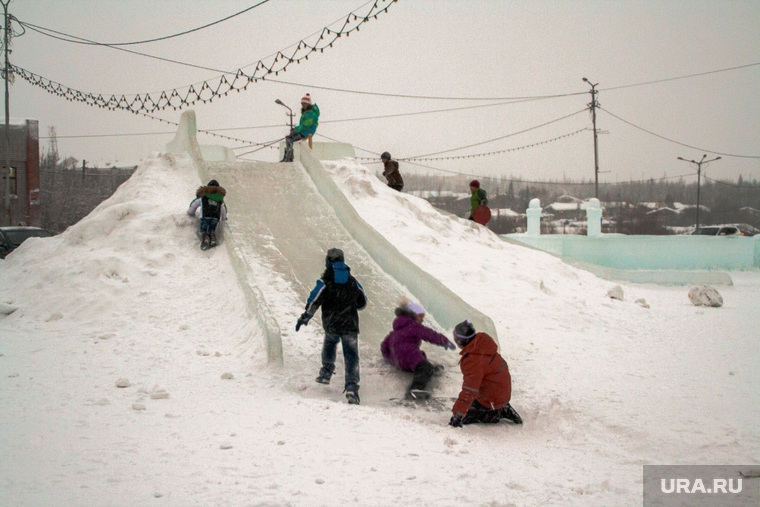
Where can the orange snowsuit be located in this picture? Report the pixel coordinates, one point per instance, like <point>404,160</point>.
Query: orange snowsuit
<point>486,376</point>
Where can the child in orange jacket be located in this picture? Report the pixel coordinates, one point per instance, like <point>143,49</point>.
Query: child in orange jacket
<point>487,384</point>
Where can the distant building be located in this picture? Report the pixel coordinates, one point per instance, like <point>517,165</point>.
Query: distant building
<point>20,187</point>
<point>565,198</point>
<point>506,212</point>
<point>567,207</point>
<point>687,207</point>
<point>439,194</point>
<point>664,212</point>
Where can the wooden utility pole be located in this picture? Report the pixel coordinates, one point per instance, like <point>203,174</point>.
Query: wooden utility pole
<point>593,105</point>
<point>6,140</point>
<point>699,177</point>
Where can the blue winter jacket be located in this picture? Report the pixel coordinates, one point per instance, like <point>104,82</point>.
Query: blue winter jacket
<point>341,296</point>
<point>309,122</point>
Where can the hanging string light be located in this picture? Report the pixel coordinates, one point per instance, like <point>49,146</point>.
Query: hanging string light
<point>476,155</point>
<point>209,90</point>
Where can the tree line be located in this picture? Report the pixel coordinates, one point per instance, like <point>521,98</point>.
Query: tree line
<point>69,190</point>
<point>629,207</point>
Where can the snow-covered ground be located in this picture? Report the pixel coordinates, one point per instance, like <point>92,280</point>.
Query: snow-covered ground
<point>604,386</point>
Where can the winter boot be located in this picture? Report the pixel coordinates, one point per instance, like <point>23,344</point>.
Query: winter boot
<point>352,394</point>
<point>212,240</point>
<point>417,394</point>
<point>510,414</point>
<point>324,376</point>
<point>422,375</point>
<point>287,155</point>
<point>205,241</point>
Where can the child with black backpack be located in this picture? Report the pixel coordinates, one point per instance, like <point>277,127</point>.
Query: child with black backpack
<point>210,199</point>
<point>340,296</point>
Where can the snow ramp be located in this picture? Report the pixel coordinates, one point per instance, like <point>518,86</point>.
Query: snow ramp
<point>283,217</point>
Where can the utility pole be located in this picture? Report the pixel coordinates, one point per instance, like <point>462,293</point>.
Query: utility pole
<point>593,105</point>
<point>699,177</point>
<point>6,140</point>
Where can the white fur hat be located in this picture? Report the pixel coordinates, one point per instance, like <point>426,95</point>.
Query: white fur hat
<point>415,308</point>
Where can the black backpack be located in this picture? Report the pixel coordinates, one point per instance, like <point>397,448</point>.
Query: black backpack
<point>211,208</point>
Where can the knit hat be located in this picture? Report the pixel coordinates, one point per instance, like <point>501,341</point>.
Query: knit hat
<point>306,99</point>
<point>463,333</point>
<point>213,183</point>
<point>385,155</point>
<point>475,183</point>
<point>334,255</point>
<point>416,308</point>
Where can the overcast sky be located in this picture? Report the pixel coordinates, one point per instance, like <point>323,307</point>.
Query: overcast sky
<point>422,56</point>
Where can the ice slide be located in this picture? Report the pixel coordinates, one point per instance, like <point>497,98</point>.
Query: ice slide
<point>284,217</point>
<point>281,228</point>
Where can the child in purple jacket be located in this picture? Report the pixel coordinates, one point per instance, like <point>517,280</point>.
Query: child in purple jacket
<point>402,347</point>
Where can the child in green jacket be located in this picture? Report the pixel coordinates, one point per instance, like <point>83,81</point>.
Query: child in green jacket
<point>307,126</point>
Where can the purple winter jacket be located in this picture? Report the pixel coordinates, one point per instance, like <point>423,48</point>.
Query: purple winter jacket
<point>402,345</point>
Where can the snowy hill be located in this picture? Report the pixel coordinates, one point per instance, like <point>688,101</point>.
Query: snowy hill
<point>125,296</point>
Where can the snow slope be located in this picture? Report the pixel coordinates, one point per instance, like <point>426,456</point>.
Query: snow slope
<point>604,386</point>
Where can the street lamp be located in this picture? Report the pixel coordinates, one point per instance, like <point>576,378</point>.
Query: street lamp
<point>593,106</point>
<point>290,113</point>
<point>699,176</point>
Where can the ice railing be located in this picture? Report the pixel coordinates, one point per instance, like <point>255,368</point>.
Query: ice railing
<point>185,142</point>
<point>444,305</point>
<point>643,258</point>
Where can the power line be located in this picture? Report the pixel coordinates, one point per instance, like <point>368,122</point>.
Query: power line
<point>719,182</point>
<point>498,138</point>
<point>677,142</point>
<point>323,122</point>
<point>427,97</point>
<point>202,131</point>
<point>377,117</point>
<point>79,40</point>
<point>524,98</point>
<point>213,132</point>
<point>682,77</point>
<point>364,118</point>
<point>418,113</point>
<point>533,182</point>
<point>168,60</point>
<point>88,136</point>
<point>43,31</point>
<point>477,155</point>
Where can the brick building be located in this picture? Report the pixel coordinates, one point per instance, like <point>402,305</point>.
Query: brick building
<point>20,189</point>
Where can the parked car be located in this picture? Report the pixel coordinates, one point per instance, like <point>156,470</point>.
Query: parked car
<point>748,230</point>
<point>12,237</point>
<point>719,230</point>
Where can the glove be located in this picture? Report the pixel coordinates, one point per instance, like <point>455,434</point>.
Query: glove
<point>303,320</point>
<point>450,345</point>
<point>456,421</point>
